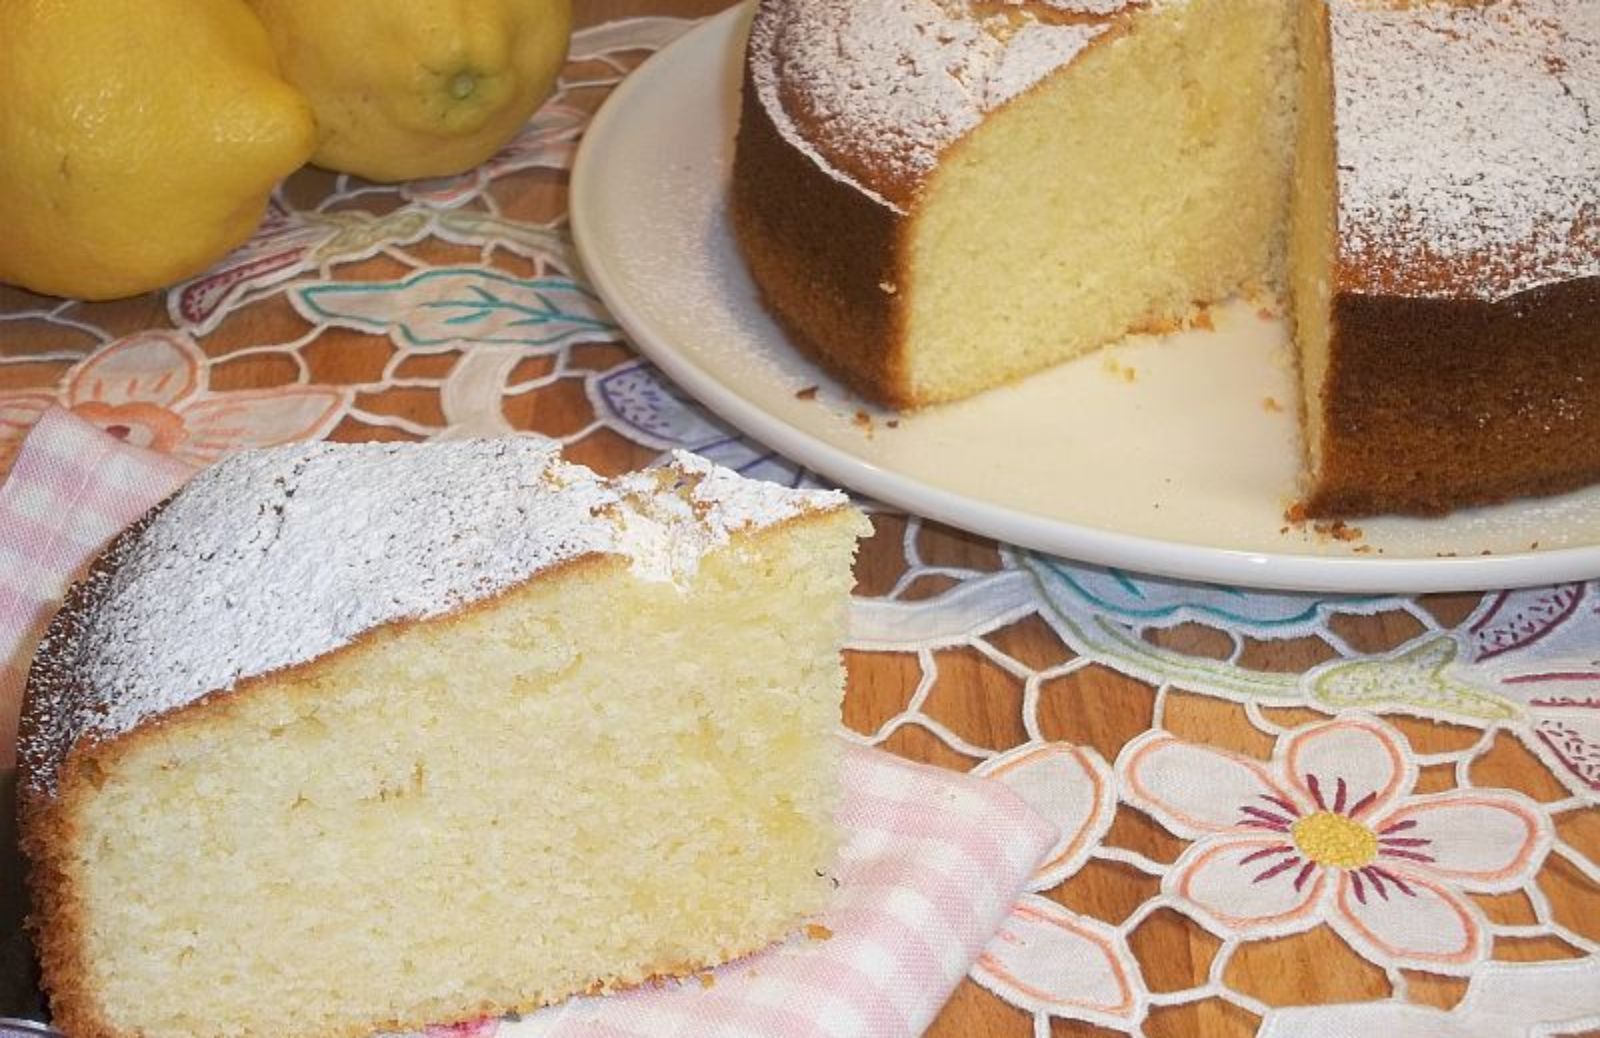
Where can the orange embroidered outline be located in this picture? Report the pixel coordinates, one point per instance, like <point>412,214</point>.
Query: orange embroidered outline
<point>1444,894</point>
<point>1261,771</point>
<point>989,963</point>
<point>1472,799</point>
<point>1237,922</point>
<point>1299,739</point>
<point>1052,749</point>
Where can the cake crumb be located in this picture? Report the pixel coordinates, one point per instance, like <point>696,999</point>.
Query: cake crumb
<point>1266,313</point>
<point>808,393</point>
<point>707,980</point>
<point>1339,530</point>
<point>1157,326</point>
<point>818,932</point>
<point>1270,404</point>
<point>893,423</point>
<point>888,287</point>
<point>863,420</point>
<point>1202,320</point>
<point>1342,531</point>
<point>1112,366</point>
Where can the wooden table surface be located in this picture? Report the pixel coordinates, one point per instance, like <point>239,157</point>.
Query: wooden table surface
<point>1095,706</point>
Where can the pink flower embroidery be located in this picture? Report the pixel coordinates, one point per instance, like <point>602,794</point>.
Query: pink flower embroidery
<point>1045,959</point>
<point>149,389</point>
<point>1330,831</point>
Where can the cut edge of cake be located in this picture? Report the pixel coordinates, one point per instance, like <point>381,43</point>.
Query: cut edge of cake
<point>1023,186</point>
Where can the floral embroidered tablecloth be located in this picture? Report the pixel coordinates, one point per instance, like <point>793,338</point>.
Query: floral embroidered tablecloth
<point>1281,813</point>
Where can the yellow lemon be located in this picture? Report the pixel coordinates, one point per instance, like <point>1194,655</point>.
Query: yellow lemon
<point>139,140</point>
<point>418,88</point>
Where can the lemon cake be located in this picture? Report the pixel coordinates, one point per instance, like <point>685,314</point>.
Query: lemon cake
<point>346,738</point>
<point>936,197</point>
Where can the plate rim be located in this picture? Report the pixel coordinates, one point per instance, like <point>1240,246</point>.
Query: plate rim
<point>1025,530</point>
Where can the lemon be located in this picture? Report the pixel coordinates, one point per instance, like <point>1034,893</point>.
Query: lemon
<point>139,140</point>
<point>418,88</point>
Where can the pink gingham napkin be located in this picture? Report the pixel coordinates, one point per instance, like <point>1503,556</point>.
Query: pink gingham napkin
<point>933,860</point>
<point>72,488</point>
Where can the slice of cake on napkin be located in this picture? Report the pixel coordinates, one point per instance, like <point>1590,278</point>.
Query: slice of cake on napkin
<point>343,738</point>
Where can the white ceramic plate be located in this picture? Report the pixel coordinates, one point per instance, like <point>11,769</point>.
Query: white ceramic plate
<point>1184,469</point>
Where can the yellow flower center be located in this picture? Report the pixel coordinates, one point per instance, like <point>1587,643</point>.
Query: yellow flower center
<point>1330,839</point>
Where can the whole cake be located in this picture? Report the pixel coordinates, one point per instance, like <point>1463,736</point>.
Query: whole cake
<point>352,738</point>
<point>936,197</point>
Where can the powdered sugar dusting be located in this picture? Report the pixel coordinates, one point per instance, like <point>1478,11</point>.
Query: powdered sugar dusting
<point>276,557</point>
<point>1031,53</point>
<point>884,87</point>
<point>1469,150</point>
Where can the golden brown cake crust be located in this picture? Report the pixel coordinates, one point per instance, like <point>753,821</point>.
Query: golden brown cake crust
<point>1436,404</point>
<point>822,254</point>
<point>45,832</point>
<point>46,828</point>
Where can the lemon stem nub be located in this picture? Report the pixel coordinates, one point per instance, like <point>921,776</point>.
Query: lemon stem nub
<point>462,85</point>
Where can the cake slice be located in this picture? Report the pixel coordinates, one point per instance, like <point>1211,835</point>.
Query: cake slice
<point>343,738</point>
